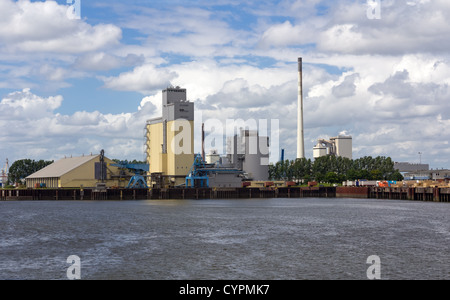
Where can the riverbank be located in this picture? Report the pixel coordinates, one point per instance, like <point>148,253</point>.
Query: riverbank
<point>435,194</point>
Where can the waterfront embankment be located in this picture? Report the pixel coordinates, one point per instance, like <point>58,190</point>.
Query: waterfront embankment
<point>435,194</point>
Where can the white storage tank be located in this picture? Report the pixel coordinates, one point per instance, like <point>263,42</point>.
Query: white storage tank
<point>213,157</point>
<point>319,150</point>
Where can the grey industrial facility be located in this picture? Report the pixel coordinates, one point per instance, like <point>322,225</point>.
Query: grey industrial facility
<point>247,158</point>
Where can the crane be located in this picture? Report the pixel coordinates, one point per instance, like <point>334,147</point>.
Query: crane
<point>137,181</point>
<point>197,173</point>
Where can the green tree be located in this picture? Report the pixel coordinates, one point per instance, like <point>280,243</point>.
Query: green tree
<point>272,171</point>
<point>352,174</point>
<point>396,176</point>
<point>134,161</point>
<point>332,177</point>
<point>371,168</point>
<point>21,169</point>
<point>320,167</point>
<point>276,171</point>
<point>301,169</point>
<point>286,170</point>
<point>376,175</point>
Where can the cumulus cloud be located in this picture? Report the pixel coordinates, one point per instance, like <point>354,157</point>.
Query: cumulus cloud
<point>144,79</point>
<point>397,116</point>
<point>81,118</point>
<point>45,27</point>
<point>286,34</point>
<point>344,27</point>
<point>27,106</point>
<point>194,30</point>
<point>347,88</point>
<point>42,47</point>
<point>384,81</point>
<point>33,128</point>
<point>101,61</point>
<point>396,32</point>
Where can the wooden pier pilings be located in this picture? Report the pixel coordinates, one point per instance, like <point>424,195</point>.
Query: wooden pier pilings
<point>435,194</point>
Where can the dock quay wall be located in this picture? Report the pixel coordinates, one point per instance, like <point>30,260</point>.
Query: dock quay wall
<point>436,194</point>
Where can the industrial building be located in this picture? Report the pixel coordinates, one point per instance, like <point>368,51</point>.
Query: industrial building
<point>247,159</point>
<point>213,175</point>
<point>170,150</point>
<point>409,167</point>
<point>76,172</point>
<point>249,152</point>
<point>336,146</point>
<point>436,175</point>
<point>170,139</point>
<point>412,171</point>
<point>442,174</point>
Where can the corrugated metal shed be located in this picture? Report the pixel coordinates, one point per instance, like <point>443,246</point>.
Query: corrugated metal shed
<point>61,167</point>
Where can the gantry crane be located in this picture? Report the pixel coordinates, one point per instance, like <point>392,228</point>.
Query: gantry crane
<point>137,181</point>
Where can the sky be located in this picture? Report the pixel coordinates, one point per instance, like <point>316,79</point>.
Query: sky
<point>78,76</point>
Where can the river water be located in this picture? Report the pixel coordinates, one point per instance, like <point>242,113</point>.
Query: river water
<point>258,239</point>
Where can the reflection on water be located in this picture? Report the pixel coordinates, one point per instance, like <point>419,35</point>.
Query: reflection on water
<point>225,239</point>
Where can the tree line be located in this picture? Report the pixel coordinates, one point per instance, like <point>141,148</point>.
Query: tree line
<point>23,168</point>
<point>335,169</point>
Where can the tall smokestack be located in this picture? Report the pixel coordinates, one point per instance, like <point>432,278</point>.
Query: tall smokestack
<point>300,135</point>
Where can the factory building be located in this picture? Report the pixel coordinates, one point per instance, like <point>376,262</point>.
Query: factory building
<point>412,171</point>
<point>336,146</point>
<point>247,159</point>
<point>214,175</point>
<point>76,172</point>
<point>440,175</point>
<point>170,149</point>
<point>221,179</point>
<point>170,139</point>
<point>409,167</point>
<point>437,175</point>
<point>249,152</point>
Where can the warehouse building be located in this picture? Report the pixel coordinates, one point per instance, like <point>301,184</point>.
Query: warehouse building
<point>437,175</point>
<point>76,172</point>
<point>410,167</point>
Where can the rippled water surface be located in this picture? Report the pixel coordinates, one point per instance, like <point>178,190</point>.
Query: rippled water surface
<point>225,239</point>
